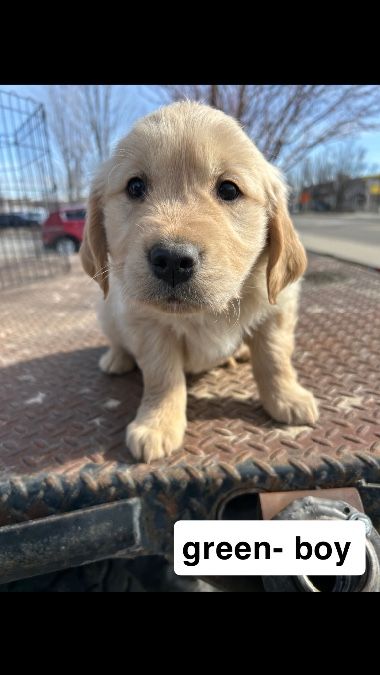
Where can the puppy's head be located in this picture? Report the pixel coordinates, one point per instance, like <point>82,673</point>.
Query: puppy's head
<point>183,210</point>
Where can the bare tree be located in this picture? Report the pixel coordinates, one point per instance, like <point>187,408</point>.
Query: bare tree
<point>71,140</point>
<point>287,122</point>
<point>103,108</point>
<point>84,121</point>
<point>106,112</point>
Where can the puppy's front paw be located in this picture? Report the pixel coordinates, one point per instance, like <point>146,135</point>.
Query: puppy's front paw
<point>242,354</point>
<point>294,406</point>
<point>147,443</point>
<point>116,362</point>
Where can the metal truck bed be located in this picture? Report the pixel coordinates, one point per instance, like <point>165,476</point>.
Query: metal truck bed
<point>62,422</point>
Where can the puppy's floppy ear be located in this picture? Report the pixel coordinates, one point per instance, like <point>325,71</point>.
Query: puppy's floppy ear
<point>287,258</point>
<point>93,252</point>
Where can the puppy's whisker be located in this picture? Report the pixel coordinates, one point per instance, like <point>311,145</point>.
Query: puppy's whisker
<point>251,288</point>
<point>106,270</point>
<point>100,272</point>
<point>236,313</point>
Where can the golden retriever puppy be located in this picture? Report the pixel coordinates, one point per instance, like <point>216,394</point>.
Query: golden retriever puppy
<point>189,236</point>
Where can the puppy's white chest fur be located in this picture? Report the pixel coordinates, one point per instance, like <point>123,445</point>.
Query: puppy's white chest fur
<point>206,340</point>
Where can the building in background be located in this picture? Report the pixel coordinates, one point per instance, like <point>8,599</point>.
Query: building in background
<point>342,194</point>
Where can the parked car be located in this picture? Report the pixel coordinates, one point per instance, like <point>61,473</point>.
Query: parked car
<point>18,220</point>
<point>63,230</point>
<point>319,205</point>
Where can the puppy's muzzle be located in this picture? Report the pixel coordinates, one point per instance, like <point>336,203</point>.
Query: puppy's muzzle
<point>174,264</point>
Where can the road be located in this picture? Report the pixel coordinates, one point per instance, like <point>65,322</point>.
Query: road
<point>349,236</point>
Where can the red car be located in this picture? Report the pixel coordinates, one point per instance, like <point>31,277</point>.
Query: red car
<point>63,229</point>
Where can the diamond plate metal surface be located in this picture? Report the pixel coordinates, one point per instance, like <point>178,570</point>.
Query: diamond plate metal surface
<point>62,422</point>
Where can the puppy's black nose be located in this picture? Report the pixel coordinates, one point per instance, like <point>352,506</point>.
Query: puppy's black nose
<point>174,264</point>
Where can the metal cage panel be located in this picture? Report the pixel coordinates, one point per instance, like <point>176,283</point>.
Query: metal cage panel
<point>27,193</point>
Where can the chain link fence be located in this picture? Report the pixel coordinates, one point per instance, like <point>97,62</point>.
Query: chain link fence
<point>27,193</point>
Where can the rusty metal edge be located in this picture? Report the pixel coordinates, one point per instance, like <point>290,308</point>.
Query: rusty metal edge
<point>189,490</point>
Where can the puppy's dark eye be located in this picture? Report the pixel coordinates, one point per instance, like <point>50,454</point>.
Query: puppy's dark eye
<point>228,191</point>
<point>136,188</point>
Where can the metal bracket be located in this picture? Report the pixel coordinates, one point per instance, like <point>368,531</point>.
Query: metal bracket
<point>76,538</point>
<point>273,502</point>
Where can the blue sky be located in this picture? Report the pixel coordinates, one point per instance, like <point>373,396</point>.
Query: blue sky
<point>369,140</point>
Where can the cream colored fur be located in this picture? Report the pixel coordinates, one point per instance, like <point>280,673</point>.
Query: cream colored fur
<point>246,288</point>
